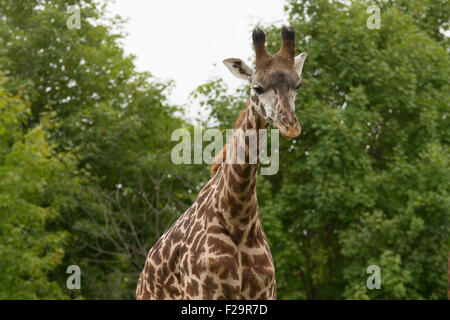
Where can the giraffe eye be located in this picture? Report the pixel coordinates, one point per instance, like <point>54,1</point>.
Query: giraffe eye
<point>258,90</point>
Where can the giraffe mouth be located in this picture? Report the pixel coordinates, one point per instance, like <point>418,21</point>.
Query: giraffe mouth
<point>289,129</point>
<point>291,133</point>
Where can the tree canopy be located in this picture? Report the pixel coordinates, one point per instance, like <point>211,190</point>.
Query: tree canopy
<point>86,176</point>
<point>366,183</point>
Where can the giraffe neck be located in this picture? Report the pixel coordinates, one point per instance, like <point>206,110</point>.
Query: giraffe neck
<point>237,200</point>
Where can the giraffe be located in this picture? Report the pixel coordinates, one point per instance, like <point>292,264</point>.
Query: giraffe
<point>217,248</point>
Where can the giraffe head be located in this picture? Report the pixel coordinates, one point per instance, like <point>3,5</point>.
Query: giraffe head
<point>274,81</point>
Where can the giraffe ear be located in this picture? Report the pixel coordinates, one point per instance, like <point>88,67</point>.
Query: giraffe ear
<point>238,68</point>
<point>299,61</point>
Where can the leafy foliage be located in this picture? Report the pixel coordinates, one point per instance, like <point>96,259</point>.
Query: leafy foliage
<point>367,181</point>
<point>115,121</point>
<point>35,184</point>
<point>85,141</point>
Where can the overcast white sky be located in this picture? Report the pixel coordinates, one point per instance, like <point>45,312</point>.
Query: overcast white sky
<point>182,40</point>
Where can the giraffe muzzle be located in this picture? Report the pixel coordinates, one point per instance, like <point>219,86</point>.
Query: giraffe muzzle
<point>289,126</point>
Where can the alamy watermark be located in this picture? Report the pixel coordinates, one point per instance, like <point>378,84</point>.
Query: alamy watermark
<point>74,20</point>
<point>374,21</point>
<point>374,281</point>
<point>242,146</point>
<point>74,280</point>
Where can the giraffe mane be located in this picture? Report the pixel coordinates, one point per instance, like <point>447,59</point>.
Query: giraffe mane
<point>221,156</point>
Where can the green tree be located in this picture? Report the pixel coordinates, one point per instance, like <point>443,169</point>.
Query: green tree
<point>116,121</point>
<point>86,176</point>
<point>367,181</point>
<point>35,183</point>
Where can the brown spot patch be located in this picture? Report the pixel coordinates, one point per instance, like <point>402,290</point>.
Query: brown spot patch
<point>177,236</point>
<point>235,206</point>
<point>237,235</point>
<point>215,229</point>
<point>192,288</point>
<point>245,220</point>
<point>262,296</point>
<point>160,294</point>
<point>209,288</point>
<point>230,292</point>
<point>185,266</point>
<point>197,266</point>
<point>156,257</point>
<point>171,287</point>
<point>225,267</point>
<point>224,204</point>
<point>252,240</point>
<point>249,281</point>
<point>174,258</point>
<point>235,185</point>
<point>263,110</point>
<point>261,260</point>
<point>217,246</point>
<point>166,249</point>
<point>243,170</point>
<point>162,273</point>
<point>151,277</point>
<point>246,259</point>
